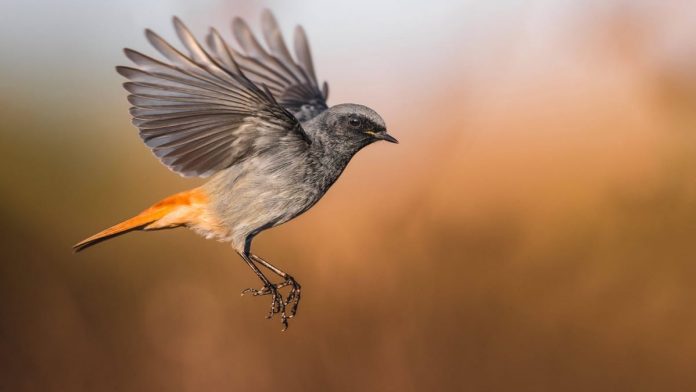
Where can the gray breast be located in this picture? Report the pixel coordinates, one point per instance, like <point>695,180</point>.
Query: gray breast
<point>263,192</point>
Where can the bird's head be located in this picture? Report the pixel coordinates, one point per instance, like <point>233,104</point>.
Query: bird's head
<point>357,125</point>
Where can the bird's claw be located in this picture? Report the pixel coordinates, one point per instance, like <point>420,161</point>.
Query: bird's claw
<point>279,304</point>
<point>293,299</point>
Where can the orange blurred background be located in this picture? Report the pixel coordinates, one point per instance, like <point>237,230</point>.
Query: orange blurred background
<point>534,230</point>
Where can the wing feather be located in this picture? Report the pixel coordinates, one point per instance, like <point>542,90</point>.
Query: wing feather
<point>200,113</point>
<point>293,83</point>
<point>302,51</point>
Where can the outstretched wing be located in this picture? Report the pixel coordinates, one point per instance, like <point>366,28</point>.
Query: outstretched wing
<point>199,116</point>
<point>293,83</point>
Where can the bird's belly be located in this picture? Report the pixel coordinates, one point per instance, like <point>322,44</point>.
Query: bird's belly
<point>254,202</point>
<point>276,206</point>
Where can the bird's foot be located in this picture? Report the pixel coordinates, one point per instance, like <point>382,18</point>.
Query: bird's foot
<point>293,299</point>
<point>279,304</point>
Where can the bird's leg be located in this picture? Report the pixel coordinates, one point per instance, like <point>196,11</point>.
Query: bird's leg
<point>277,304</point>
<point>295,292</point>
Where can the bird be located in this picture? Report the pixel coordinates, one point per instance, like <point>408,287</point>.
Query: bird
<point>253,121</point>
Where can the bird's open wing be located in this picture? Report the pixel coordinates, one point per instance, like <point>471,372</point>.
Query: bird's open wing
<point>199,116</point>
<point>293,83</point>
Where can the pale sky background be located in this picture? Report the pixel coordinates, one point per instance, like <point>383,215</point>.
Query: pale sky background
<point>395,53</point>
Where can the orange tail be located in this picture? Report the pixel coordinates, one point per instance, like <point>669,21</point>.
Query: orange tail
<point>168,213</point>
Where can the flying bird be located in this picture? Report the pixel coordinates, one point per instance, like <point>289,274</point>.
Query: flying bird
<point>253,120</point>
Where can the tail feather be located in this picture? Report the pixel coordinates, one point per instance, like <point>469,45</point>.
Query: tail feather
<point>148,219</point>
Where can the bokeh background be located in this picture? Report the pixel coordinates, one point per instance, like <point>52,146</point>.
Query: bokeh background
<point>535,230</point>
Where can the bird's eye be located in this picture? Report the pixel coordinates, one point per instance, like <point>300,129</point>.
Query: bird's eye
<point>354,122</point>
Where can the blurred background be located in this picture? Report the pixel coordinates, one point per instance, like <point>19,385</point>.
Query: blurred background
<point>535,229</point>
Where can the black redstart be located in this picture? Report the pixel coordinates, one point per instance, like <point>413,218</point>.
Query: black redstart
<point>256,122</point>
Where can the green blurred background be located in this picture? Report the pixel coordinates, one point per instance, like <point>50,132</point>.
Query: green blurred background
<point>535,230</point>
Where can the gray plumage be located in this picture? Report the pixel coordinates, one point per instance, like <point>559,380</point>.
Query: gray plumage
<point>256,120</point>
<point>287,178</point>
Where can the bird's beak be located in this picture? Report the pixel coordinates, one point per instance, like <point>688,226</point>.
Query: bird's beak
<point>383,136</point>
